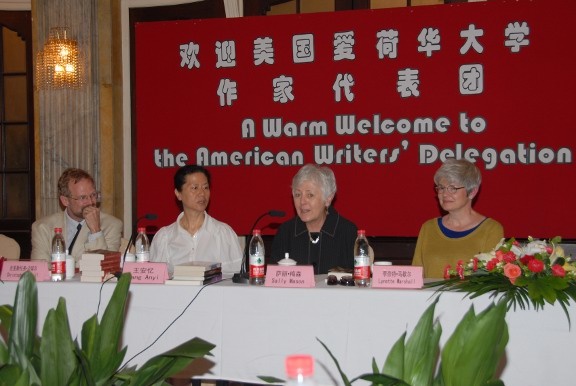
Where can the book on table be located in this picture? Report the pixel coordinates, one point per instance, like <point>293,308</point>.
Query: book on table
<point>98,278</point>
<point>196,268</point>
<point>197,275</point>
<point>98,265</point>
<point>203,281</point>
<point>86,266</point>
<point>100,255</point>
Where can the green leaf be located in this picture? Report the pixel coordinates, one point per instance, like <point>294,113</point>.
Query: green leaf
<point>472,354</point>
<point>23,330</point>
<point>270,379</point>
<point>83,372</point>
<point>22,334</point>
<point>394,365</point>
<point>89,336</point>
<point>382,379</point>
<point>556,240</point>
<point>171,362</point>
<point>342,375</point>
<point>422,349</point>
<point>12,375</point>
<point>106,355</point>
<point>6,313</point>
<point>57,349</point>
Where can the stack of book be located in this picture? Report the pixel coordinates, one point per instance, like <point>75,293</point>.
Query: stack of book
<point>100,265</point>
<point>196,273</point>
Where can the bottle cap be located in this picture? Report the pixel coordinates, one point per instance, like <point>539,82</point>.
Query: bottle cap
<point>141,229</point>
<point>299,365</point>
<point>58,230</point>
<point>361,232</point>
<point>256,232</point>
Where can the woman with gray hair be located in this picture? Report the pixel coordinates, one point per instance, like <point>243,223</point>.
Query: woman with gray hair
<point>462,232</point>
<point>318,235</point>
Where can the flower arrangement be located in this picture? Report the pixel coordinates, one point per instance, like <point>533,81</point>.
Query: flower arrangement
<point>536,272</point>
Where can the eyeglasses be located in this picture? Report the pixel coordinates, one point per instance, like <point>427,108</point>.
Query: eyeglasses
<point>96,196</point>
<point>347,280</point>
<point>450,189</point>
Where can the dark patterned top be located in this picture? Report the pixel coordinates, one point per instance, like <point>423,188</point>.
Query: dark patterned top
<point>334,248</point>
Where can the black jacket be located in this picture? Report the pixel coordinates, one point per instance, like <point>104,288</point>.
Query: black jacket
<point>335,247</point>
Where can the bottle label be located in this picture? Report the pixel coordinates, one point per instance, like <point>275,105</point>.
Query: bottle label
<point>361,267</point>
<point>257,268</point>
<point>58,264</point>
<point>142,257</point>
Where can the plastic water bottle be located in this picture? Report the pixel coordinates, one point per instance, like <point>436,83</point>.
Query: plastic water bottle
<point>300,370</point>
<point>362,260</point>
<point>58,257</point>
<point>142,245</point>
<point>256,258</point>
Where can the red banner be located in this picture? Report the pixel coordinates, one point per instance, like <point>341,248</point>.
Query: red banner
<point>381,97</point>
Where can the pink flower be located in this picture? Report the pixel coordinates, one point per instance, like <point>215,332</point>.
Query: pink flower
<point>526,259</point>
<point>536,265</point>
<point>558,270</point>
<point>492,264</point>
<point>460,269</point>
<point>512,271</point>
<point>509,257</point>
<point>447,272</point>
<point>475,264</point>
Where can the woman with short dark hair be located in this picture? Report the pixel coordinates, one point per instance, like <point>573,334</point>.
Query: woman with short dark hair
<point>195,235</point>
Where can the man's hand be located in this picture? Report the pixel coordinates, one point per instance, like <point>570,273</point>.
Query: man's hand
<point>92,217</point>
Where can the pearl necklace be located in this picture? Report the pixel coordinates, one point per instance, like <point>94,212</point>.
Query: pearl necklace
<point>314,241</point>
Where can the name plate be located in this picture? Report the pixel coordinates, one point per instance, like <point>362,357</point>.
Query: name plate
<point>397,276</point>
<point>13,269</point>
<point>290,276</point>
<point>147,273</point>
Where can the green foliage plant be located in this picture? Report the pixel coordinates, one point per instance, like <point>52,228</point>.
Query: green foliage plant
<point>54,358</point>
<point>470,357</point>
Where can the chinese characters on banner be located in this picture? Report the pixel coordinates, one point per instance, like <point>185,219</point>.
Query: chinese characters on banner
<point>381,97</point>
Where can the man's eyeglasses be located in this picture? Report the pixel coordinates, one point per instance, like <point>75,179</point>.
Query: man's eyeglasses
<point>96,196</point>
<point>450,189</point>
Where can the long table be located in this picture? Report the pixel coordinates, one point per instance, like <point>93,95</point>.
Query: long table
<point>255,328</point>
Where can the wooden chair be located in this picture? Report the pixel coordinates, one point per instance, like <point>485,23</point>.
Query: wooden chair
<point>9,248</point>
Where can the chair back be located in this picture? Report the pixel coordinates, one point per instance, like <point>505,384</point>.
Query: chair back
<point>9,248</point>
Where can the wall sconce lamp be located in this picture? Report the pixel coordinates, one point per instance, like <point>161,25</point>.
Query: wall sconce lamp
<point>59,65</point>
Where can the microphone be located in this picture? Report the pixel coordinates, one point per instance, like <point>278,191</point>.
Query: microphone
<point>243,277</point>
<point>147,216</point>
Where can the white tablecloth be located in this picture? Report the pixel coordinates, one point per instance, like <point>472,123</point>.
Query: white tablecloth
<point>255,328</point>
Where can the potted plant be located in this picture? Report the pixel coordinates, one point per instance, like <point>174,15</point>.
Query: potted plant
<point>470,357</point>
<point>55,358</point>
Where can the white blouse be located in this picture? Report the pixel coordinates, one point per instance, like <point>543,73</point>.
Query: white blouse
<point>214,241</point>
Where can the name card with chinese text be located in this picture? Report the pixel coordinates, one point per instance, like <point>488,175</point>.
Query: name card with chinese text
<point>397,276</point>
<point>299,276</point>
<point>13,269</point>
<point>147,273</point>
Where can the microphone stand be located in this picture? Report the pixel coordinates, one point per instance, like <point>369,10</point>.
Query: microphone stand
<point>243,277</point>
